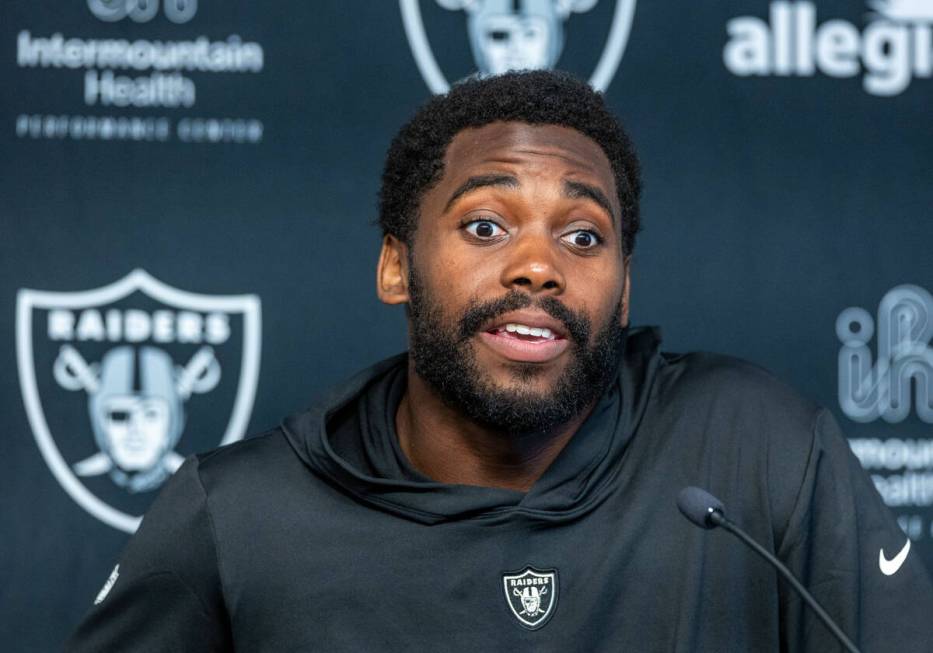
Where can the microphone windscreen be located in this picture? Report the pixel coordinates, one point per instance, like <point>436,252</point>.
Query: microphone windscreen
<point>696,505</point>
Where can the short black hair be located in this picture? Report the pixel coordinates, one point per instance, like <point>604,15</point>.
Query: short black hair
<point>415,161</point>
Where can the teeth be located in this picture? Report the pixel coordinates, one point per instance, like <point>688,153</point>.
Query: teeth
<point>537,332</point>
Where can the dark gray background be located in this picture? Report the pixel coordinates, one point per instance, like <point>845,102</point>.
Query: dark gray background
<point>770,205</point>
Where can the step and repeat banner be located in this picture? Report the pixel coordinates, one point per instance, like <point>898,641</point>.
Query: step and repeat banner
<point>187,249</point>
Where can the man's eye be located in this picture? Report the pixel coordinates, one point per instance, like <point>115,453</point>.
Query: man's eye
<point>484,229</point>
<point>582,239</point>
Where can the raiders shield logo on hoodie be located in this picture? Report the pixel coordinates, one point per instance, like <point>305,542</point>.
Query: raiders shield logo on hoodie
<point>531,596</point>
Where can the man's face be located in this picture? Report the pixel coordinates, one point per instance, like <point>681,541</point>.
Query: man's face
<point>517,283</point>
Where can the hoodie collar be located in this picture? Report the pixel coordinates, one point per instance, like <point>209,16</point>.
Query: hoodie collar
<point>373,470</point>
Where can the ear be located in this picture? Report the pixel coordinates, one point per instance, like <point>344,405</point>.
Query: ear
<point>626,288</point>
<point>392,271</point>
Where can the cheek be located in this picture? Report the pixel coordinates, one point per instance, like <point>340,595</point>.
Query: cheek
<point>455,277</point>
<point>597,287</point>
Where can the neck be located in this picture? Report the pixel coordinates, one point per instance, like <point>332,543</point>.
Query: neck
<point>441,443</point>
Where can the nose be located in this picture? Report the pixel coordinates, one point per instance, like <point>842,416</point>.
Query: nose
<point>534,266</point>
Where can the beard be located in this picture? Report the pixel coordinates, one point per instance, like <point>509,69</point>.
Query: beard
<point>444,357</point>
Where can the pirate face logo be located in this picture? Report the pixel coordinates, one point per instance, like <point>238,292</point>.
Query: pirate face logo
<point>115,374</point>
<point>531,600</point>
<point>531,596</point>
<point>509,35</point>
<point>136,401</point>
<point>136,426</point>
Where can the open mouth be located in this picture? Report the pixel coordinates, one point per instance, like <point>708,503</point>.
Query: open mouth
<point>524,332</point>
<point>526,341</point>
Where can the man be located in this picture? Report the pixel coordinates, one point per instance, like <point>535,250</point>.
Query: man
<point>510,484</point>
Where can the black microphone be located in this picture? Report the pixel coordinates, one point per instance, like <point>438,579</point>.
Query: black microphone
<point>706,511</point>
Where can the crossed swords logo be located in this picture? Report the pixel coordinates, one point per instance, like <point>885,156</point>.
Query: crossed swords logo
<point>135,401</point>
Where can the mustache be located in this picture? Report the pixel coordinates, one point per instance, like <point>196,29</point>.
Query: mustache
<point>577,325</point>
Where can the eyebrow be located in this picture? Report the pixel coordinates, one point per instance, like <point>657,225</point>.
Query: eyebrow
<point>481,181</point>
<point>579,190</point>
<point>572,190</point>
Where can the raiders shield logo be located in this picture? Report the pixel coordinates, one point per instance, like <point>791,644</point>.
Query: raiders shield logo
<point>517,35</point>
<point>531,596</point>
<point>120,383</point>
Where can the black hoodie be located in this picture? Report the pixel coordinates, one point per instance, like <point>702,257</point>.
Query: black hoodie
<point>320,536</point>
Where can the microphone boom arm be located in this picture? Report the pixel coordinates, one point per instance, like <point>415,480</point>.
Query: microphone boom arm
<point>717,518</point>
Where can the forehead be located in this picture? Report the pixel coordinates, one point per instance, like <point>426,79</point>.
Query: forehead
<point>554,146</point>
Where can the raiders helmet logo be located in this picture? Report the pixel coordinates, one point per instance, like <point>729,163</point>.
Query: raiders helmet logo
<point>509,35</point>
<point>114,380</point>
<point>531,596</point>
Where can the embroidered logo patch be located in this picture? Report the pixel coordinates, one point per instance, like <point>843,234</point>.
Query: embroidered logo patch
<point>531,595</point>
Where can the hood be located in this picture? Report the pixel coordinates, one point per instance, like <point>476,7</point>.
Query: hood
<point>374,472</point>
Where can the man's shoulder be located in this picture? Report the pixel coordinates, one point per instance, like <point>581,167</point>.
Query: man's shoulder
<point>248,462</point>
<point>262,444</point>
<point>737,400</point>
<point>716,377</point>
<point>735,415</point>
<point>711,366</point>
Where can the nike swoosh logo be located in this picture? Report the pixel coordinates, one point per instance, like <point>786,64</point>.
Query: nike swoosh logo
<point>890,567</point>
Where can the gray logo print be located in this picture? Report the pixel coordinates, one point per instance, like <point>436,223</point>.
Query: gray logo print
<point>869,389</point>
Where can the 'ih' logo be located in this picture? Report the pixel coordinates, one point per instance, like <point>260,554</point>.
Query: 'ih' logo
<point>869,389</point>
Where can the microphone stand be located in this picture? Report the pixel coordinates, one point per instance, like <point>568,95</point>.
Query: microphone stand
<point>719,519</point>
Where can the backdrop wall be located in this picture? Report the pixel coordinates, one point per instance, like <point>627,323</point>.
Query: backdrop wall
<point>187,190</point>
